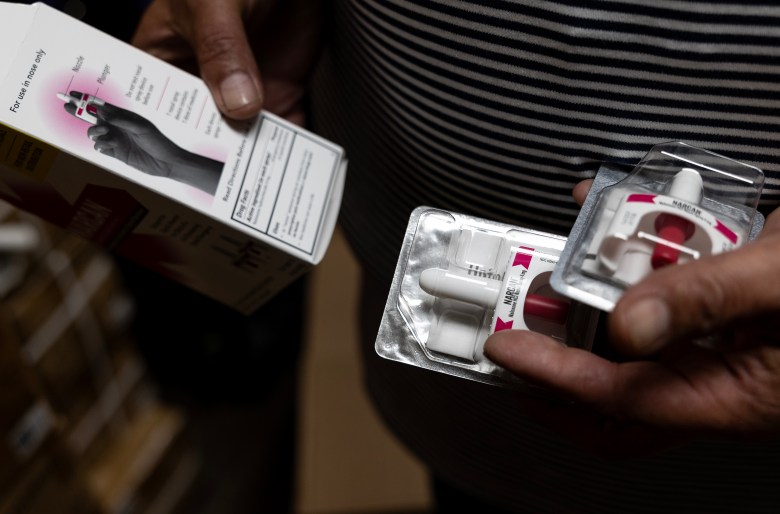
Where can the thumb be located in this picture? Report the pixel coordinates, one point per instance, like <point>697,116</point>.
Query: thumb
<point>226,61</point>
<point>580,191</point>
<point>699,298</point>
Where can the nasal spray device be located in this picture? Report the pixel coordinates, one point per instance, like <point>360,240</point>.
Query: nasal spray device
<point>486,292</point>
<point>459,279</point>
<point>86,105</point>
<point>679,203</point>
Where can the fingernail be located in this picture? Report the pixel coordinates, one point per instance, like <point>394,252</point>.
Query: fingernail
<point>238,90</point>
<point>648,324</point>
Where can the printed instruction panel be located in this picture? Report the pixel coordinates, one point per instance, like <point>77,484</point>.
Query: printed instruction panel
<point>286,184</point>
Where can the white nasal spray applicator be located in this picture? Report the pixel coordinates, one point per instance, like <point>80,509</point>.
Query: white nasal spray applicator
<point>687,186</point>
<point>641,259</point>
<point>86,105</point>
<point>485,292</point>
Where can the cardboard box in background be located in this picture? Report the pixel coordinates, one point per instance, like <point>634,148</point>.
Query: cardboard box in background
<point>27,423</point>
<point>49,484</point>
<point>81,429</point>
<point>149,466</point>
<point>235,211</point>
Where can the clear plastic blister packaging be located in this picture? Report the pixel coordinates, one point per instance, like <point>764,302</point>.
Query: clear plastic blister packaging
<point>679,203</point>
<point>459,279</point>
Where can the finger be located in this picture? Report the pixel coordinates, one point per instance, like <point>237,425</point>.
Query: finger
<point>644,392</point>
<point>70,108</point>
<point>225,58</point>
<point>128,121</point>
<point>771,226</point>
<point>577,374</point>
<point>103,144</point>
<point>580,191</point>
<point>109,114</point>
<point>111,152</point>
<point>699,298</point>
<point>96,131</point>
<point>157,34</point>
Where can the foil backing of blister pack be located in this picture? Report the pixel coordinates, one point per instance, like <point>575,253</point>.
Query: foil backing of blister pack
<point>436,332</point>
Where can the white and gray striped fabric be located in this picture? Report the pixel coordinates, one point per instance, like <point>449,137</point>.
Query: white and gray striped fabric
<point>497,108</point>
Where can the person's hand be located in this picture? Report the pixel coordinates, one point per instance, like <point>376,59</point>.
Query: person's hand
<point>671,389</point>
<point>252,54</point>
<point>134,140</point>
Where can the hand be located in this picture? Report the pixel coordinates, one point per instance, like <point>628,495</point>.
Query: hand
<point>671,390</point>
<point>134,140</point>
<point>269,69</point>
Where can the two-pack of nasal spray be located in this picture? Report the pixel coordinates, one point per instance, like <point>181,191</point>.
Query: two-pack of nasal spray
<point>460,278</point>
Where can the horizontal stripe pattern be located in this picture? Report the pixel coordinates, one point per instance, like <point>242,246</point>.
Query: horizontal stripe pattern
<point>497,108</point>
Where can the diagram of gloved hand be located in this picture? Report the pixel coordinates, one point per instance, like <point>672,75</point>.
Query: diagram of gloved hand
<point>134,140</point>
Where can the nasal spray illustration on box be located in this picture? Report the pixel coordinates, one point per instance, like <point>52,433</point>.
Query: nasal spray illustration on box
<point>137,142</point>
<point>460,279</point>
<point>679,204</point>
<point>83,106</point>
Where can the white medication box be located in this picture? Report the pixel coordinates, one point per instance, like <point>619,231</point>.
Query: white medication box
<point>132,153</point>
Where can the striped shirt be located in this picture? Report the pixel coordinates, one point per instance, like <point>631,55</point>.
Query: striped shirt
<point>497,108</point>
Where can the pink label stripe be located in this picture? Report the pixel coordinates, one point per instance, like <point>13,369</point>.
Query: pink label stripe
<point>523,259</point>
<point>642,198</point>
<point>726,231</point>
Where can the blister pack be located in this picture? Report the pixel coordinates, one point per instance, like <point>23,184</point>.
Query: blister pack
<point>459,279</point>
<point>679,204</point>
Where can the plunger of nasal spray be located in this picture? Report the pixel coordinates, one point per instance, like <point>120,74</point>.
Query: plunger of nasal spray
<point>85,105</point>
<point>687,186</point>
